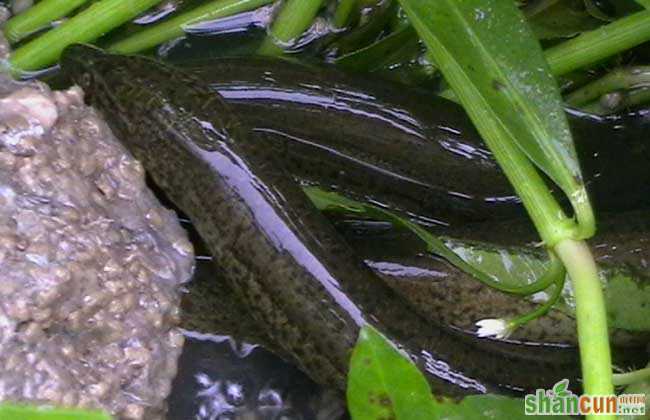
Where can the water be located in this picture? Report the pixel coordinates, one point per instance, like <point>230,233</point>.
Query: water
<point>220,378</point>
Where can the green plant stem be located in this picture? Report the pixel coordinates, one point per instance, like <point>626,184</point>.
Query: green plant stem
<point>294,18</point>
<point>37,17</point>
<point>629,378</point>
<point>619,79</point>
<point>623,100</point>
<point>546,214</point>
<point>331,201</point>
<point>87,26</point>
<point>591,317</point>
<point>174,27</point>
<point>343,12</point>
<point>542,309</point>
<point>554,274</point>
<point>594,46</point>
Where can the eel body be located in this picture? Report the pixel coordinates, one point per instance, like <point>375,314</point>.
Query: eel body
<point>294,275</point>
<point>409,149</point>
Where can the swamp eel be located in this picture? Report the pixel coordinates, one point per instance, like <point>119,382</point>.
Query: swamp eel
<point>406,148</point>
<point>294,275</point>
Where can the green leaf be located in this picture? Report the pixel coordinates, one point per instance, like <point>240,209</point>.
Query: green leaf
<point>491,46</point>
<point>385,384</point>
<point>491,59</point>
<point>15,412</point>
<point>628,300</point>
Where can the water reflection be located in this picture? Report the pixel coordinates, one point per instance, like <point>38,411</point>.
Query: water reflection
<point>220,378</point>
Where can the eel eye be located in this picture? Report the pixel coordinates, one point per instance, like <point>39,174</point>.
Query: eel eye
<point>85,79</point>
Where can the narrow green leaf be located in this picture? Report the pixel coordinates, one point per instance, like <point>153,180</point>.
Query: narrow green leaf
<point>175,26</point>
<point>384,384</point>
<point>491,59</point>
<point>93,22</point>
<point>37,17</point>
<point>23,412</point>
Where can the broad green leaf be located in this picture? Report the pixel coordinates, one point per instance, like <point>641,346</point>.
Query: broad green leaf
<point>496,67</point>
<point>385,384</point>
<point>18,412</point>
<point>628,300</point>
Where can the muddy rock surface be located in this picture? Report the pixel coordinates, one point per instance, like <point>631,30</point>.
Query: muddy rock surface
<point>92,264</point>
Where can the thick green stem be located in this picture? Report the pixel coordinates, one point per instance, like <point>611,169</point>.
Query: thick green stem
<point>37,17</point>
<point>174,27</point>
<point>343,12</point>
<point>554,274</point>
<point>619,79</point>
<point>331,201</point>
<point>544,308</point>
<point>546,214</point>
<point>618,101</point>
<point>87,26</point>
<point>294,18</point>
<point>629,378</point>
<point>591,318</point>
<point>594,46</point>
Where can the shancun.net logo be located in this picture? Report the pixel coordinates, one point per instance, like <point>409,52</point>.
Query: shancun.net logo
<point>560,400</point>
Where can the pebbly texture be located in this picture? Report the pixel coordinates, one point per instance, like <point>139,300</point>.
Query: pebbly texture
<point>91,262</point>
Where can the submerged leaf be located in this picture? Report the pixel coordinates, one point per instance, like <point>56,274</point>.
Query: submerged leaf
<point>384,384</point>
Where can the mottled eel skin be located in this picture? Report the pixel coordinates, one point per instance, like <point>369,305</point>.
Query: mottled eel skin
<point>408,148</point>
<point>293,273</point>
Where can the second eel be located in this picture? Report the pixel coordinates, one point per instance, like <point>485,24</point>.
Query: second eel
<point>283,259</point>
